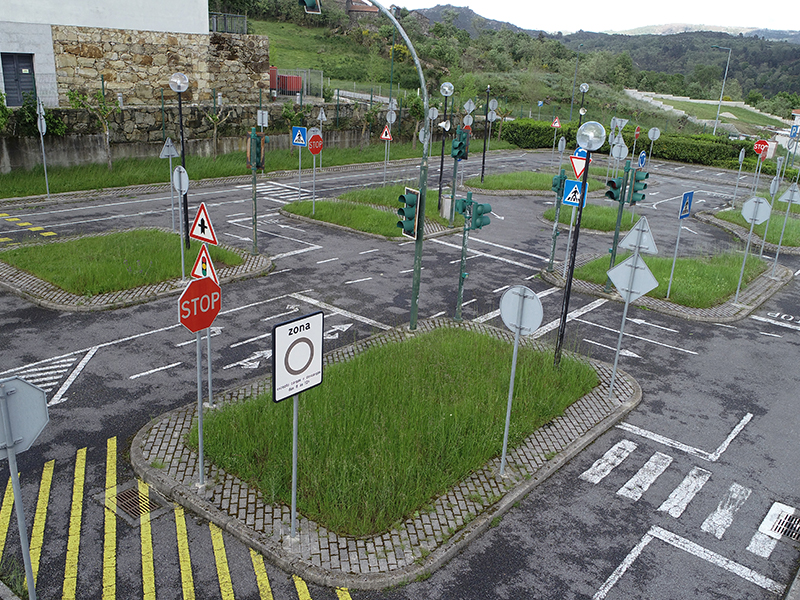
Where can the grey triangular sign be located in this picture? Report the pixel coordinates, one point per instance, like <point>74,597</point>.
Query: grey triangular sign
<point>647,243</point>
<point>321,116</point>
<point>169,151</point>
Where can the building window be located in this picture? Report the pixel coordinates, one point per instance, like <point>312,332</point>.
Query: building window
<point>18,77</point>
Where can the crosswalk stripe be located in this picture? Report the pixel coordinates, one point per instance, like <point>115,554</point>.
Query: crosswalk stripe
<point>223,573</point>
<point>74,535</point>
<point>148,570</point>
<point>5,515</point>
<point>301,587</point>
<point>718,521</point>
<point>40,516</point>
<point>606,463</point>
<point>762,545</point>
<point>682,495</point>
<point>644,478</point>
<point>264,589</point>
<point>187,581</point>
<point>110,536</point>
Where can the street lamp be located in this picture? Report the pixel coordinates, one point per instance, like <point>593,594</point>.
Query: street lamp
<point>582,111</point>
<point>723,85</point>
<point>180,83</point>
<point>574,81</point>
<point>591,135</point>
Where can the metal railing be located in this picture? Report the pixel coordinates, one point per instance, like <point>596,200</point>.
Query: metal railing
<point>290,82</point>
<point>225,23</point>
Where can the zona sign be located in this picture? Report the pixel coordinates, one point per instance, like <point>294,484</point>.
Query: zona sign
<point>199,304</point>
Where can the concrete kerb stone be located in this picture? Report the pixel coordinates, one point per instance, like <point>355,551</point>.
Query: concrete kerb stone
<point>47,295</point>
<point>367,568</point>
<point>743,232</point>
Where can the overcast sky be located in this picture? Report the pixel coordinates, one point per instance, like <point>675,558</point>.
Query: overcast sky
<point>572,15</point>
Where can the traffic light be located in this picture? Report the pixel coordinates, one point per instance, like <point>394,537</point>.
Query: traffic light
<point>558,184</point>
<point>460,147</point>
<point>461,205</point>
<point>409,212</point>
<point>312,6</point>
<point>480,215</point>
<point>638,186</point>
<point>615,188</point>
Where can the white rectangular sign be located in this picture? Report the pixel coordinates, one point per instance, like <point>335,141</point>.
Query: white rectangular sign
<point>297,355</point>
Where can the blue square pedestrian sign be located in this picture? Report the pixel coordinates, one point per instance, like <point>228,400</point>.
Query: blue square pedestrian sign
<point>686,205</point>
<point>573,192</point>
<point>299,136</point>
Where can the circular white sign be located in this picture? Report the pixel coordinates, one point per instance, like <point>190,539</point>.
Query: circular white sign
<point>584,87</point>
<point>468,120</point>
<point>433,113</point>
<point>654,134</point>
<point>492,116</point>
<point>516,298</point>
<point>391,116</point>
<point>493,104</point>
<point>562,144</point>
<point>619,151</point>
<point>180,180</point>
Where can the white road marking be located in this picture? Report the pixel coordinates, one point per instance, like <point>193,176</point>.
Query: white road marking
<point>500,289</point>
<point>440,313</point>
<point>238,237</point>
<point>368,251</point>
<point>510,249</point>
<point>606,463</point>
<point>718,521</point>
<point>58,398</point>
<point>695,550</point>
<point>252,361</point>
<point>636,337</point>
<point>570,316</point>
<point>645,477</point>
<point>775,322</point>
<point>215,331</point>
<point>761,544</point>
<point>339,311</point>
<point>251,340</point>
<point>770,334</point>
<point>469,302</point>
<point>492,256</point>
<point>622,351</point>
<point>357,280</point>
<point>496,313</point>
<point>725,325</point>
<point>643,322</point>
<point>156,370</point>
<point>690,230</point>
<point>682,495</point>
<point>319,262</point>
<point>711,457</point>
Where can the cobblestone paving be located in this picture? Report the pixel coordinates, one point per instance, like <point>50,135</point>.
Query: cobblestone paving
<point>420,544</point>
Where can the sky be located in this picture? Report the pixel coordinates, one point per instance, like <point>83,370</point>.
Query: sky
<point>572,15</point>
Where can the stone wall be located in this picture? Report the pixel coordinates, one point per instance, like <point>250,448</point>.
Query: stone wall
<point>138,64</point>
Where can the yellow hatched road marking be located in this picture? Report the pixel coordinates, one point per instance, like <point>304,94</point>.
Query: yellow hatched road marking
<point>37,534</point>
<point>223,574</point>
<point>3,214</point>
<point>5,239</point>
<point>12,219</point>
<point>262,580</point>
<point>74,537</point>
<point>148,570</point>
<point>343,594</point>
<point>46,233</point>
<point>110,539</point>
<point>183,554</point>
<point>25,224</point>
<point>302,588</point>
<point>5,514</point>
<point>35,228</point>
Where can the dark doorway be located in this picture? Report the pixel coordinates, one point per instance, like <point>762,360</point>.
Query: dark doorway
<point>17,76</point>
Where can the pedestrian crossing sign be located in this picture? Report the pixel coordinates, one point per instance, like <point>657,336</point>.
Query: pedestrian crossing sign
<point>386,136</point>
<point>299,136</point>
<point>573,192</point>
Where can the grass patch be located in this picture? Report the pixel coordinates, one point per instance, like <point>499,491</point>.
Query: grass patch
<point>110,263</point>
<point>355,212</point>
<point>698,282</point>
<point>791,237</point>
<point>598,217</point>
<point>709,112</point>
<point>521,180</point>
<point>393,427</point>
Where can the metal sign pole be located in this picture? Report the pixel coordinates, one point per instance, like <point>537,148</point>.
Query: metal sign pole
<point>42,130</point>
<point>453,192</point>
<point>255,210</point>
<point>385,160</point>
<point>208,365</point>
<point>485,131</point>
<point>464,240</point>
<point>674,257</point>
<point>201,482</point>
<point>172,197</point>
<point>511,384</point>
<point>744,260</point>
<point>773,188</point>
<point>293,533</point>
<point>569,240</point>
<point>314,185</point>
<point>299,170</point>
<point>12,466</point>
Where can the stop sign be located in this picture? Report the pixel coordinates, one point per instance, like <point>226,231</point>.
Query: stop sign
<point>315,144</point>
<point>199,304</point>
<point>760,146</point>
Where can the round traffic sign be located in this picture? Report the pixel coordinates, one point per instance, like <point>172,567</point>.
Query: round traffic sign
<point>493,104</point>
<point>492,116</point>
<point>468,120</point>
<point>619,151</point>
<point>562,143</point>
<point>180,180</point>
<point>520,308</point>
<point>642,159</point>
<point>391,116</point>
<point>199,304</point>
<point>433,112</point>
<point>315,144</point>
<point>760,146</point>
<point>637,133</point>
<point>654,134</point>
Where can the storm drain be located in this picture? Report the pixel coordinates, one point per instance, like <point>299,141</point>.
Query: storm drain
<point>782,521</point>
<point>131,505</point>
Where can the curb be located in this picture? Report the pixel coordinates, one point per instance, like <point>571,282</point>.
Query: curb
<point>275,548</point>
<point>743,233</point>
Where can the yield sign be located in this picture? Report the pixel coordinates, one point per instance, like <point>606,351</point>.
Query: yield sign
<point>386,136</point>
<point>578,165</point>
<point>203,267</point>
<point>642,236</point>
<point>201,228</point>
<point>556,123</point>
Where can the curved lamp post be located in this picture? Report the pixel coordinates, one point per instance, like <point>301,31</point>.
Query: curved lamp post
<point>180,83</point>
<point>724,79</point>
<point>591,135</point>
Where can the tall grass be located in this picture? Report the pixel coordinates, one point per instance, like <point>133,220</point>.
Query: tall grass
<point>698,282</point>
<point>522,180</point>
<point>600,218</point>
<point>110,263</point>
<point>791,236</point>
<point>393,427</point>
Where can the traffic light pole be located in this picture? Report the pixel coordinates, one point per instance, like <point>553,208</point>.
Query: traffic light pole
<point>441,164</point>
<point>461,274</point>
<point>485,131</point>
<point>559,194</point>
<point>453,193</point>
<point>621,201</point>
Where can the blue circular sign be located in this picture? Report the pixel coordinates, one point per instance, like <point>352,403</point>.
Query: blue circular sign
<point>580,152</point>
<point>642,159</point>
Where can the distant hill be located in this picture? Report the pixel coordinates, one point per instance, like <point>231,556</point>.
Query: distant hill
<point>470,21</point>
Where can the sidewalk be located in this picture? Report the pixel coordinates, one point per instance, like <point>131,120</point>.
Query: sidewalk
<point>423,542</point>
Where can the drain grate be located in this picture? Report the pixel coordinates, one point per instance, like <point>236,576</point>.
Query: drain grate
<point>787,525</point>
<point>131,505</point>
<point>134,503</point>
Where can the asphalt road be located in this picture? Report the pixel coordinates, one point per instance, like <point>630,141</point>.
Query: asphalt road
<point>667,505</point>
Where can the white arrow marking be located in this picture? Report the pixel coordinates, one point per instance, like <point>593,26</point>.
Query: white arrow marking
<point>622,351</point>
<point>252,361</point>
<point>643,322</point>
<point>690,230</point>
<point>291,308</point>
<point>333,332</point>
<point>498,216</point>
<point>638,337</point>
<point>238,237</point>
<point>156,370</point>
<point>215,331</point>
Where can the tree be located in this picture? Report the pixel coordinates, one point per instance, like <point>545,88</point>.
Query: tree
<point>216,119</point>
<point>98,106</point>
<point>416,110</point>
<point>5,112</point>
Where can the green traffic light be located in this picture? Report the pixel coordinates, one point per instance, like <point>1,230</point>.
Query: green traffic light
<point>614,188</point>
<point>408,213</point>
<point>639,185</point>
<point>480,215</point>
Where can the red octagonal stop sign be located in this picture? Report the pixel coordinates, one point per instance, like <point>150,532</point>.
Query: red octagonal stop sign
<point>315,144</point>
<point>199,304</point>
<point>760,146</point>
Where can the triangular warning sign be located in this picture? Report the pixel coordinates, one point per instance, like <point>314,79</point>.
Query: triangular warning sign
<point>169,151</point>
<point>386,136</point>
<point>642,236</point>
<point>556,123</point>
<point>299,140</point>
<point>201,228</point>
<point>203,267</point>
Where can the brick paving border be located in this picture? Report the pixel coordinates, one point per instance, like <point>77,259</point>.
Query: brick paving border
<point>51,296</point>
<point>421,544</point>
